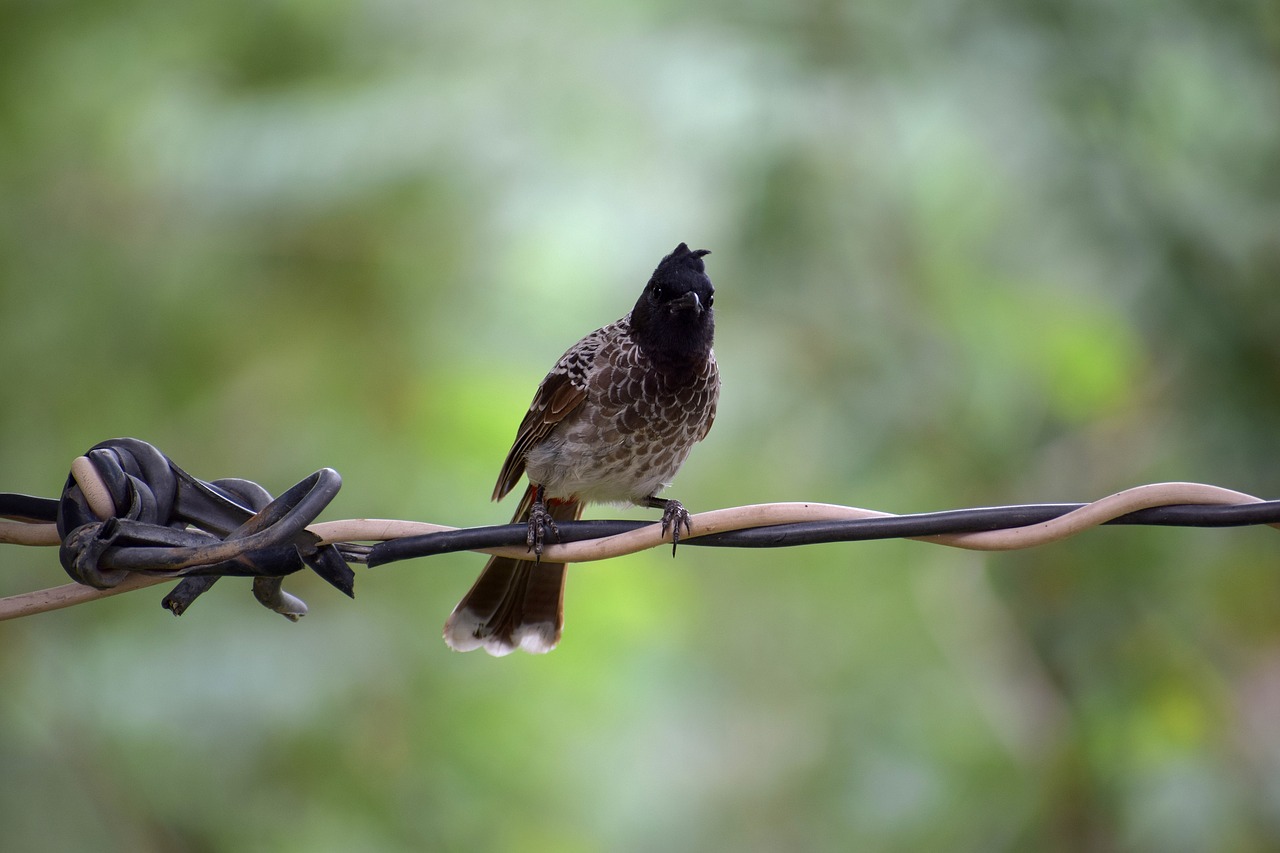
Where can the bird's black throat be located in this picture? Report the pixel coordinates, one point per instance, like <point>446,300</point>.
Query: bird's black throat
<point>673,340</point>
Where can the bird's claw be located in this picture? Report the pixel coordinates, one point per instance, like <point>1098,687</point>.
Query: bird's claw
<point>540,521</point>
<point>674,516</point>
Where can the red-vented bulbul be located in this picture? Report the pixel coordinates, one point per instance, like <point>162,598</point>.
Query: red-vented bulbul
<point>611,423</point>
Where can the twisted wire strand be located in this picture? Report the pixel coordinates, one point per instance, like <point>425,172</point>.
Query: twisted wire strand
<point>707,525</point>
<point>153,557</point>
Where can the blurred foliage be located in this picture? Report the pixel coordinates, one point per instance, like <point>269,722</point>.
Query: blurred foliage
<point>974,253</point>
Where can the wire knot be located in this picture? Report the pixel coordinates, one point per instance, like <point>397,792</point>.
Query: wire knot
<point>126,508</point>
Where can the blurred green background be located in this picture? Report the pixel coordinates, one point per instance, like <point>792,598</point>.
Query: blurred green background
<point>966,254</point>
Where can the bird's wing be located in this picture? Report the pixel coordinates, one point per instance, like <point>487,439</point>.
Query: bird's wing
<point>711,419</point>
<point>561,392</point>
<point>715,398</point>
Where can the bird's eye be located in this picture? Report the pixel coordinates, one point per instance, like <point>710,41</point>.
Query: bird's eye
<point>711,300</point>
<point>658,292</point>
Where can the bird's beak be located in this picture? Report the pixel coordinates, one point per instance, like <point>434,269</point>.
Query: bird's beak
<point>688,302</point>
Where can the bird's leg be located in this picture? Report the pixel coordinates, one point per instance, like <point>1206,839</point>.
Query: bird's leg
<point>539,521</point>
<point>673,516</point>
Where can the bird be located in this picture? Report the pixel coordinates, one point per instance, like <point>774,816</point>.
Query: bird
<point>612,422</point>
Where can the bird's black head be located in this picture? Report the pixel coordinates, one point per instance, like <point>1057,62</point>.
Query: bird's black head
<point>672,319</point>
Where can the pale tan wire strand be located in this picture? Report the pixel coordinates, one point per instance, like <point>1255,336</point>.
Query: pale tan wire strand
<point>640,539</point>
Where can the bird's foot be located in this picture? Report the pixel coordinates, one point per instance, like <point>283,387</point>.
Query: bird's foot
<point>674,516</point>
<point>540,521</point>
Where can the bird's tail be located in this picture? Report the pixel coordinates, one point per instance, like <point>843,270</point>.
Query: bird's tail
<point>514,604</point>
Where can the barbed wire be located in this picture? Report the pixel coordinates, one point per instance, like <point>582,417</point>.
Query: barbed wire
<point>129,518</point>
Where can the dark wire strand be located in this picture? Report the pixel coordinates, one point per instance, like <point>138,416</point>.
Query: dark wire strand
<point>822,532</point>
<point>127,512</point>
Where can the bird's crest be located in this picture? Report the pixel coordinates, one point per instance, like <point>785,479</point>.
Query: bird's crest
<point>683,256</point>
